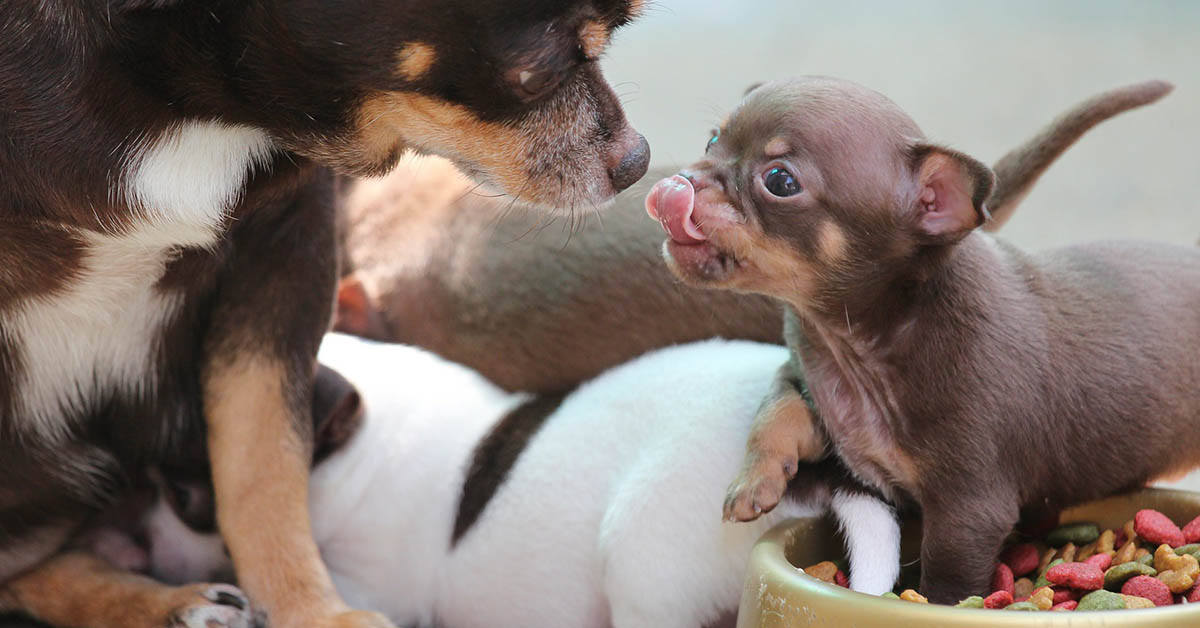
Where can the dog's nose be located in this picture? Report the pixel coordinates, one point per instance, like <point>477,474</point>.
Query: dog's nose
<point>632,166</point>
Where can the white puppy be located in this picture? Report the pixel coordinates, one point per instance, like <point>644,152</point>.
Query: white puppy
<point>609,516</point>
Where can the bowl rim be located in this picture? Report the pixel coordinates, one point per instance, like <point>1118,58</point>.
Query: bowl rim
<point>772,562</point>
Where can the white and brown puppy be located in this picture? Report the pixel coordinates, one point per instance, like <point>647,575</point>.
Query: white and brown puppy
<point>458,504</point>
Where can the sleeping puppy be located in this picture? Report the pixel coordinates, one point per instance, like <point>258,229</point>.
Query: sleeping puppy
<point>948,368</point>
<point>470,276</point>
<point>167,205</point>
<point>458,504</point>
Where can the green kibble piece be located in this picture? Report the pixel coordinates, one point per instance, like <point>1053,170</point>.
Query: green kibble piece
<point>1147,560</point>
<point>1030,606</point>
<point>1077,533</point>
<point>1190,548</point>
<point>1118,574</point>
<point>1041,580</point>
<point>891,596</point>
<point>1101,601</point>
<point>972,602</point>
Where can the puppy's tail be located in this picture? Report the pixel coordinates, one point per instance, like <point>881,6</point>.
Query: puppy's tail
<point>1020,169</point>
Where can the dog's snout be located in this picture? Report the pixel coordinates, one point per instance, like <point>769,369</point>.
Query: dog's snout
<point>632,165</point>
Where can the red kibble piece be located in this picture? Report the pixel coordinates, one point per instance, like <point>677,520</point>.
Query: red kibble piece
<point>1191,531</point>
<point>999,599</point>
<point>1103,561</point>
<point>1150,588</point>
<point>1062,594</point>
<point>1156,528</point>
<point>1069,605</point>
<point>1119,538</point>
<point>840,579</point>
<point>1002,580</point>
<point>1082,576</point>
<point>1022,559</point>
<point>1193,596</point>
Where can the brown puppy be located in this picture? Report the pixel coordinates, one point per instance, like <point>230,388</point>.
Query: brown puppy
<point>535,307</point>
<point>948,369</point>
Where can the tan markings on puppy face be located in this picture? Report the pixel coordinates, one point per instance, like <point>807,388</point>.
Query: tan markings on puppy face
<point>262,507</point>
<point>414,60</point>
<point>593,38</point>
<point>777,147</point>
<point>832,243</point>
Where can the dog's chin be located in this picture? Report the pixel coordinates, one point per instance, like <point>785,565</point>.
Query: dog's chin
<point>703,265</point>
<point>547,194</point>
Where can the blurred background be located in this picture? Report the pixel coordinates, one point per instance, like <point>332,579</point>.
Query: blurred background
<point>978,76</point>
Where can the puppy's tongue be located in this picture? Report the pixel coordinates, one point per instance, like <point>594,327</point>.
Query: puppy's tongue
<point>671,202</point>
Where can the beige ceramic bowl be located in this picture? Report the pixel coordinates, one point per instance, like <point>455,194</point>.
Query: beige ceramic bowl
<point>777,594</point>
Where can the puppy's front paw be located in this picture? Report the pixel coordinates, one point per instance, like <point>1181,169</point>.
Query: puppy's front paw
<point>758,488</point>
<point>214,606</point>
<point>356,619</point>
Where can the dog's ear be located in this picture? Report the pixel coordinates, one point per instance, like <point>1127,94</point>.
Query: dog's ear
<point>356,311</point>
<point>753,86</point>
<point>337,412</point>
<point>952,190</point>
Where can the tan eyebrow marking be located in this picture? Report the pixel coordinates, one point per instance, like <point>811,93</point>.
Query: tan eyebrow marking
<point>593,38</point>
<point>777,147</point>
<point>636,8</point>
<point>414,60</point>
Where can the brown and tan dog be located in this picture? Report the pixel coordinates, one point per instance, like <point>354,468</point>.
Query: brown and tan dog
<point>537,306</point>
<point>167,247</point>
<point>948,369</point>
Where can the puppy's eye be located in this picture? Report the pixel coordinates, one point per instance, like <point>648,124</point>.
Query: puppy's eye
<point>532,83</point>
<point>780,182</point>
<point>712,141</point>
<point>181,496</point>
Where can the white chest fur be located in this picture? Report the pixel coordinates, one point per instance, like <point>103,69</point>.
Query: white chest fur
<point>99,334</point>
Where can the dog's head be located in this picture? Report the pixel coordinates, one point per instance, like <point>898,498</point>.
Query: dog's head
<point>510,90</point>
<point>815,189</point>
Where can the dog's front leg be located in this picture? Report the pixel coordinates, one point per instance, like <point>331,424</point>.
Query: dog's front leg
<point>784,434</point>
<point>273,305</point>
<point>77,590</point>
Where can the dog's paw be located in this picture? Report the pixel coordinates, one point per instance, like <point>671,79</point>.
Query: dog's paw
<point>215,606</point>
<point>758,488</point>
<point>356,619</point>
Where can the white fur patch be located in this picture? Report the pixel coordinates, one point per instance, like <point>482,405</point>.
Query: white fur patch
<point>873,541</point>
<point>190,556</point>
<point>191,176</point>
<point>97,334</point>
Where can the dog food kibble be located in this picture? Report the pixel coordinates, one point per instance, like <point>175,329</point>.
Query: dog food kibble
<point>824,571</point>
<point>1077,533</point>
<point>1002,580</point>
<point>1191,531</point>
<point>1081,576</point>
<point>1157,528</point>
<point>1022,559</point>
<point>840,579</point>
<point>999,599</point>
<point>1118,574</point>
<point>1150,588</point>
<point>1103,561</point>
<point>972,602</point>
<point>891,596</point>
<point>1043,598</point>
<point>1101,601</point>
<point>1081,568</point>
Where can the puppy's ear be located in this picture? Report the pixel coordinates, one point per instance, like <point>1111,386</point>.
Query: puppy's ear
<point>337,412</point>
<point>356,311</point>
<point>753,86</point>
<point>953,188</point>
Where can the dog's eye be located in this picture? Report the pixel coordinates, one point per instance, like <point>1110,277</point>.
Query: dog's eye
<point>712,141</point>
<point>532,83</point>
<point>780,182</point>
<point>182,498</point>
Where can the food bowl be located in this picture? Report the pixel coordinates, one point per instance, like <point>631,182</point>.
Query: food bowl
<point>779,595</point>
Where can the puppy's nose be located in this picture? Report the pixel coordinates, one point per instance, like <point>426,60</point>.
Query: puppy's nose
<point>632,166</point>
